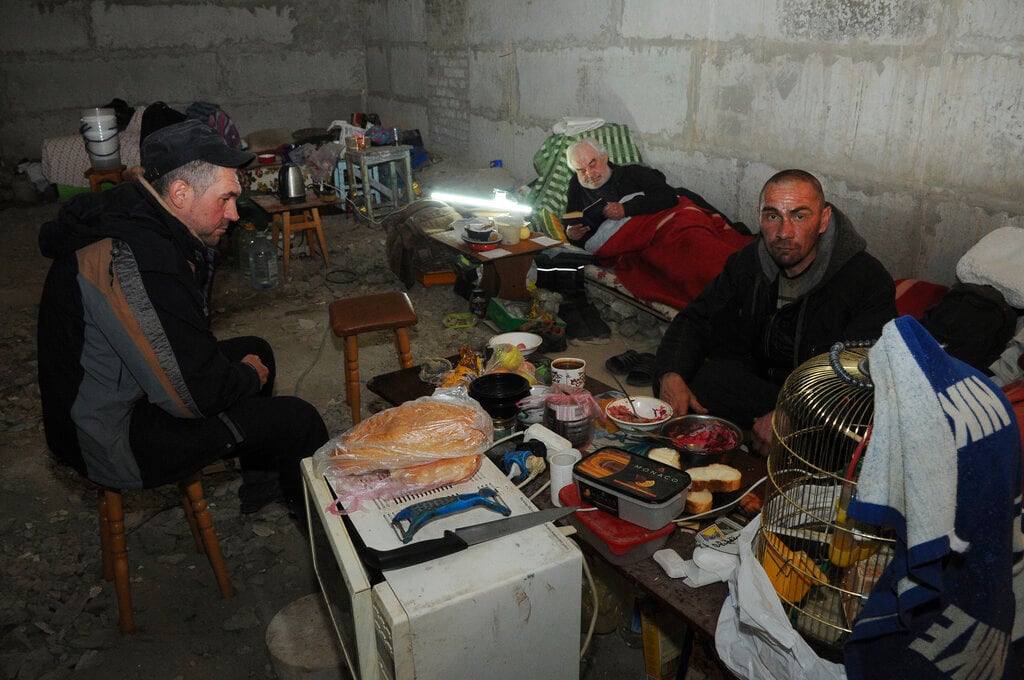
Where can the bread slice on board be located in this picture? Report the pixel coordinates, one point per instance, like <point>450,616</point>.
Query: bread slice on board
<point>716,478</point>
<point>698,502</point>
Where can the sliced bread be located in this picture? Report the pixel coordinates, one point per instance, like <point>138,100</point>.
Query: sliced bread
<point>698,502</point>
<point>715,478</point>
<point>664,454</point>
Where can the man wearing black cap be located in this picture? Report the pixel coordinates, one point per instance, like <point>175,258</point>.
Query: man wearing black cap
<point>136,390</point>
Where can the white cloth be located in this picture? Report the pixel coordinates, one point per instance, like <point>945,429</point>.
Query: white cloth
<point>707,566</point>
<point>574,126</point>
<point>997,260</point>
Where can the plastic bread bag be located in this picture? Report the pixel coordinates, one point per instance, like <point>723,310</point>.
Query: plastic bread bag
<point>754,637</point>
<point>508,359</point>
<point>417,446</point>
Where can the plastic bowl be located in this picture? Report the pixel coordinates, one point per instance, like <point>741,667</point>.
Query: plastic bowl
<point>694,455</point>
<point>654,412</point>
<point>266,158</point>
<point>499,392</point>
<point>526,343</point>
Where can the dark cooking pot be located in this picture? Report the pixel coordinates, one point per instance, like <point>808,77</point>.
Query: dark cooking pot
<point>499,392</point>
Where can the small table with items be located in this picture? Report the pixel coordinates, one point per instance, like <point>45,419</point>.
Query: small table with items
<point>297,216</point>
<point>697,607</point>
<point>399,175</point>
<point>505,267</point>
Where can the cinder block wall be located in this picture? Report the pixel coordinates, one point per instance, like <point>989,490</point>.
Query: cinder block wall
<point>910,111</point>
<point>289,64</point>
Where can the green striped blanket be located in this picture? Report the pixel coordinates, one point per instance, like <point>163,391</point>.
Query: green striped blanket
<point>548,191</point>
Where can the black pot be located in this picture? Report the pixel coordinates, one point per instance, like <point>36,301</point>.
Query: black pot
<point>499,392</point>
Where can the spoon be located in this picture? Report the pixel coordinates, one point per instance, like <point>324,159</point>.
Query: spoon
<point>628,398</point>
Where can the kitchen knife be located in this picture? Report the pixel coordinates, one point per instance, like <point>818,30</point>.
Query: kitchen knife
<point>459,539</point>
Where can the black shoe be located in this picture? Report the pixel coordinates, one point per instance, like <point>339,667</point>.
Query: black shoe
<point>255,496</point>
<point>620,364</point>
<point>642,374</point>
<point>598,328</point>
<point>576,326</point>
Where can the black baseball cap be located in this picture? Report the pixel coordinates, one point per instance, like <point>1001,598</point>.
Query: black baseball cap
<point>191,140</point>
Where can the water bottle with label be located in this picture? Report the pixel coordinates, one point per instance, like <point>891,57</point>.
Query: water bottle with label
<point>263,269</point>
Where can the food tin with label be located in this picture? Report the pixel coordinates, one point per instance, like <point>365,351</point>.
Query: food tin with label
<point>642,491</point>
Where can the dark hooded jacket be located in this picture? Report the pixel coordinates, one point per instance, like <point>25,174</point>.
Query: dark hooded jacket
<point>124,316</point>
<point>736,317</point>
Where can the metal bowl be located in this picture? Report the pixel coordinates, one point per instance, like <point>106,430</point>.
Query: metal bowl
<point>694,454</point>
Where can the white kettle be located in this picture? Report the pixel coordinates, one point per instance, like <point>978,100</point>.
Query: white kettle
<point>291,185</point>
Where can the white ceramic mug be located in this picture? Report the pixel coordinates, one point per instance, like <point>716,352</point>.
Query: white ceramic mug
<point>561,463</point>
<point>569,371</point>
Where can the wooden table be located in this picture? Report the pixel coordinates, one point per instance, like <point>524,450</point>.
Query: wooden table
<point>296,216</point>
<point>698,607</point>
<point>505,267</point>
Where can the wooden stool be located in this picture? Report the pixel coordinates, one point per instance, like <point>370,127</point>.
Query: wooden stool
<point>306,219</point>
<point>98,177</point>
<point>115,550</point>
<point>365,314</point>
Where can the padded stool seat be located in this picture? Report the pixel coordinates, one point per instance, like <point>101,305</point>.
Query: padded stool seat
<point>113,543</point>
<point>352,316</point>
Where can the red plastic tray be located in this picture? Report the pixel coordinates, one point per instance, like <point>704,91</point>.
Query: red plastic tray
<point>620,536</point>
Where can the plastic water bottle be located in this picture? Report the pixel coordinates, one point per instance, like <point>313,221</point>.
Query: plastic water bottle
<point>263,268</point>
<point>245,239</point>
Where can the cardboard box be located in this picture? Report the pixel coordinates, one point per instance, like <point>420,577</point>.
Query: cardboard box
<point>509,315</point>
<point>662,635</point>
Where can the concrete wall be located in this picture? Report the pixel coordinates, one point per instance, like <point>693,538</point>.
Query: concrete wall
<point>291,64</point>
<point>910,111</point>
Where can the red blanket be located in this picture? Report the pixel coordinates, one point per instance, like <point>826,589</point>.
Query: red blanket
<point>671,255</point>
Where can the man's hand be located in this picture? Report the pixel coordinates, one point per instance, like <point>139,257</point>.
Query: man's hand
<point>761,434</point>
<point>261,370</point>
<point>614,211</point>
<point>576,231</point>
<point>677,393</point>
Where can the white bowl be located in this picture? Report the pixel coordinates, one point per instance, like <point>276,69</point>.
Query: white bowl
<point>653,411</point>
<point>524,342</point>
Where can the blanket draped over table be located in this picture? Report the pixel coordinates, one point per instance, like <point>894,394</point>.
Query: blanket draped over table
<point>670,256</point>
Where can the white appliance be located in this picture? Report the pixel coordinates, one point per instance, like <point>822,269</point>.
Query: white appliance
<point>504,609</point>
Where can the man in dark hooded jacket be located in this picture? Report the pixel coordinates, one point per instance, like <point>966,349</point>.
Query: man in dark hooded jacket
<point>136,390</point>
<point>804,284</point>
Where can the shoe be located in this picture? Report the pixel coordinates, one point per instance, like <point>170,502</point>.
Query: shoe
<point>576,326</point>
<point>255,496</point>
<point>598,328</point>
<point>620,364</point>
<point>642,374</point>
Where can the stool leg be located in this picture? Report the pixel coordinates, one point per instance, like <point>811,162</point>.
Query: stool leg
<point>193,490</point>
<point>108,555</point>
<point>352,376</point>
<point>286,216</point>
<point>320,236</point>
<point>119,556</point>
<point>402,345</point>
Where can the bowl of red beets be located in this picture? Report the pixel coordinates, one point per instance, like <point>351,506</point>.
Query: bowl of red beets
<point>702,439</point>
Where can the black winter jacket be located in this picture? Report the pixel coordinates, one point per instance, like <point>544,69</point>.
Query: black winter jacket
<point>124,316</point>
<point>736,316</point>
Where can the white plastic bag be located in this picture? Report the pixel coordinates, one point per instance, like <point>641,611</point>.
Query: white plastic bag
<point>754,637</point>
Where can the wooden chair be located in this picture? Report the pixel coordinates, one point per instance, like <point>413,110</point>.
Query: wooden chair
<point>353,316</point>
<point>113,542</point>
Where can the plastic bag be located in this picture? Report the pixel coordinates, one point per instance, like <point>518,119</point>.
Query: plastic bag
<point>754,637</point>
<point>417,446</point>
<point>506,357</point>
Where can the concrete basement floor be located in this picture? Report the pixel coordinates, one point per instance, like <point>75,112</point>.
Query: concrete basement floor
<point>59,618</point>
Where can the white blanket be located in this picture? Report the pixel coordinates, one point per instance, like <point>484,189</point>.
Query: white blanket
<point>996,260</point>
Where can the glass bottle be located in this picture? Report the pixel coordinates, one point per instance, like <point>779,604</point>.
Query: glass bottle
<point>478,298</point>
<point>263,268</point>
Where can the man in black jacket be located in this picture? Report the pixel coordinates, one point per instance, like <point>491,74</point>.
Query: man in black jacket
<point>805,283</point>
<point>136,390</point>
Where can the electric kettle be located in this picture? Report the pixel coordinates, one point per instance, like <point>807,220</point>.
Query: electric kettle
<point>291,186</point>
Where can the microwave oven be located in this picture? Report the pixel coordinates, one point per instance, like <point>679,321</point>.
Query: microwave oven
<point>508,608</point>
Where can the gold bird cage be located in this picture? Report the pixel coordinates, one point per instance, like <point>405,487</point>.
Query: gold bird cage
<point>821,563</point>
